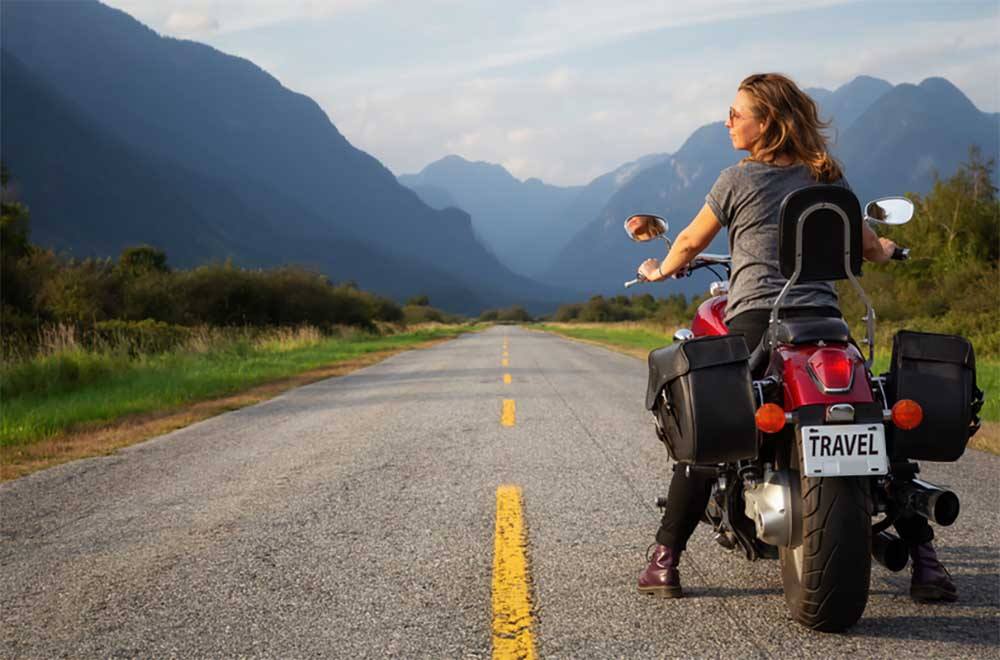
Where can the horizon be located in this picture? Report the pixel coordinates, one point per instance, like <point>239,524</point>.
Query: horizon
<point>611,83</point>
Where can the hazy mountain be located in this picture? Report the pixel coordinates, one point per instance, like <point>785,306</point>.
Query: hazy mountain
<point>600,257</point>
<point>185,105</point>
<point>518,220</point>
<point>526,223</point>
<point>848,102</point>
<point>891,141</point>
<point>434,197</point>
<point>912,133</point>
<point>90,194</point>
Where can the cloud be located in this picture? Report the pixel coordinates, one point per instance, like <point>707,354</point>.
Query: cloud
<point>188,23</point>
<point>183,18</point>
<point>567,90</point>
<point>559,80</point>
<point>520,135</point>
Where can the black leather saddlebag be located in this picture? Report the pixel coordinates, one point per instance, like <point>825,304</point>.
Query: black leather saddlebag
<point>702,396</point>
<point>939,373</point>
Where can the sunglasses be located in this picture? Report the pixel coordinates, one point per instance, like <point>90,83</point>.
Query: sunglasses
<point>733,115</point>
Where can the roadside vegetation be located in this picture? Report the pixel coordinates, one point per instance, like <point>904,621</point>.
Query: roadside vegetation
<point>87,344</point>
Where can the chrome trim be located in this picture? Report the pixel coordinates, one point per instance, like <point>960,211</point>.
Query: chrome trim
<point>769,505</point>
<point>840,412</point>
<point>828,390</point>
<point>683,334</point>
<point>716,289</point>
<point>869,316</point>
<point>886,412</point>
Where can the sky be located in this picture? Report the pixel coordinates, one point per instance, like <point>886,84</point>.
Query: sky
<point>566,90</point>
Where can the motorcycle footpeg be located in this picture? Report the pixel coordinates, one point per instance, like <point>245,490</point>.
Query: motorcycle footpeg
<point>726,540</point>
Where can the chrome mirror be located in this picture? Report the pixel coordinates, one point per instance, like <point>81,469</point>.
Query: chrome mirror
<point>643,227</point>
<point>889,211</point>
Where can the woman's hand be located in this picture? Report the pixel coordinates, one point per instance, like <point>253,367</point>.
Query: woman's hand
<point>888,247</point>
<point>650,269</point>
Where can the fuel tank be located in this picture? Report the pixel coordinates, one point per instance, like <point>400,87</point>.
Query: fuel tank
<point>708,319</point>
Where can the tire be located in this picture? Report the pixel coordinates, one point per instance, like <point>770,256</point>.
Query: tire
<point>827,577</point>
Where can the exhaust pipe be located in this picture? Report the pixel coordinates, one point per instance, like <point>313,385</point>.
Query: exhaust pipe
<point>937,504</point>
<point>890,551</point>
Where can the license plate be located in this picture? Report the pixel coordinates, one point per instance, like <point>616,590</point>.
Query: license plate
<point>844,450</point>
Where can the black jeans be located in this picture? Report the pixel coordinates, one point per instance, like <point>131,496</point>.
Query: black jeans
<point>688,495</point>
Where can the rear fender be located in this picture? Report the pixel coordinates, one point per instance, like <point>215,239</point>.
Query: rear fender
<point>801,387</point>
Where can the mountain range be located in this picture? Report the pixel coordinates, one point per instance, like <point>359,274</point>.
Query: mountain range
<point>890,139</point>
<point>115,135</point>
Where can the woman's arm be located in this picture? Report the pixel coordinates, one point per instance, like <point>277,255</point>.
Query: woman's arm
<point>878,250</point>
<point>689,243</point>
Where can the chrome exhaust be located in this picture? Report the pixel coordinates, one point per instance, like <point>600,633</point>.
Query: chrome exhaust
<point>890,551</point>
<point>939,505</point>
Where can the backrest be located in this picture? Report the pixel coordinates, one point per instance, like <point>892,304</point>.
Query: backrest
<point>820,212</point>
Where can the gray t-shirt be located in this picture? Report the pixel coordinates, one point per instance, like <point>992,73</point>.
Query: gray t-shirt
<point>746,199</point>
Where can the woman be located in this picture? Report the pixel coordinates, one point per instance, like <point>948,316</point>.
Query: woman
<point>779,126</point>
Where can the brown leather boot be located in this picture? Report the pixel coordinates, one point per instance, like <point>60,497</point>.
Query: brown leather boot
<point>660,577</point>
<point>931,581</point>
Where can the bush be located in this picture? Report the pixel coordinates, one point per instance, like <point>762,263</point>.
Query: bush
<point>138,337</point>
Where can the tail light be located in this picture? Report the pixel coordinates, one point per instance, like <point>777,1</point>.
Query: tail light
<point>832,369</point>
<point>770,418</point>
<point>907,414</point>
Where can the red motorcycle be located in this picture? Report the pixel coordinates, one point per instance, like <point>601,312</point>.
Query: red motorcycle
<point>805,446</point>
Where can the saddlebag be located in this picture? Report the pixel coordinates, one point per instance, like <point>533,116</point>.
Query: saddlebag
<point>939,373</point>
<point>701,395</point>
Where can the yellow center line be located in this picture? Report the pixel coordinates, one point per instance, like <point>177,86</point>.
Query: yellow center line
<point>508,414</point>
<point>506,379</point>
<point>504,362</point>
<point>512,620</point>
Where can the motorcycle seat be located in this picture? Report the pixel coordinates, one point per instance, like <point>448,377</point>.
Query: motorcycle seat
<point>807,330</point>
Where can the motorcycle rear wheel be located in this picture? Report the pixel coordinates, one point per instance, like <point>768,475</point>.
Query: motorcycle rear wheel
<point>826,577</point>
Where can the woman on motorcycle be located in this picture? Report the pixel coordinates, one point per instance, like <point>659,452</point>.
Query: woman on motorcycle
<point>778,124</point>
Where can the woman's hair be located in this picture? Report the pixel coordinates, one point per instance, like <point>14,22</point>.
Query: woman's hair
<point>792,126</point>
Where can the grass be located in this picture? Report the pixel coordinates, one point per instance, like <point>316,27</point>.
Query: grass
<point>638,339</point>
<point>635,338</point>
<point>75,389</point>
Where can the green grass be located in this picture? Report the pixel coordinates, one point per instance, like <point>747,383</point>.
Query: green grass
<point>627,335</point>
<point>636,336</point>
<point>58,392</point>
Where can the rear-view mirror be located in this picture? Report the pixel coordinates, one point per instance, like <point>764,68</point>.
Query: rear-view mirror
<point>889,211</point>
<point>644,227</point>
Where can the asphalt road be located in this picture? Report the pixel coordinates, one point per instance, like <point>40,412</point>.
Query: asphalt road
<point>354,518</point>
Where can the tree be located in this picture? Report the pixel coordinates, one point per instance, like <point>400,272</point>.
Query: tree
<point>143,259</point>
<point>14,246</point>
<point>419,301</point>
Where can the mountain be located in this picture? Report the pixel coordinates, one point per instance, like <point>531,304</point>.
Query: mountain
<point>600,257</point>
<point>517,220</point>
<point>434,197</point>
<point>912,133</point>
<point>525,223</point>
<point>69,169</point>
<point>222,119</point>
<point>891,141</point>
<point>848,102</point>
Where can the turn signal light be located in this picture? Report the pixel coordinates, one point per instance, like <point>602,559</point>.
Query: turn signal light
<point>770,418</point>
<point>907,414</point>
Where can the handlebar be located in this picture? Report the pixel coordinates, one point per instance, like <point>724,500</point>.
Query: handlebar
<point>701,261</point>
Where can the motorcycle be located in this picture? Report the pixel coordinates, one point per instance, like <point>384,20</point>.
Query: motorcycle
<point>805,447</point>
